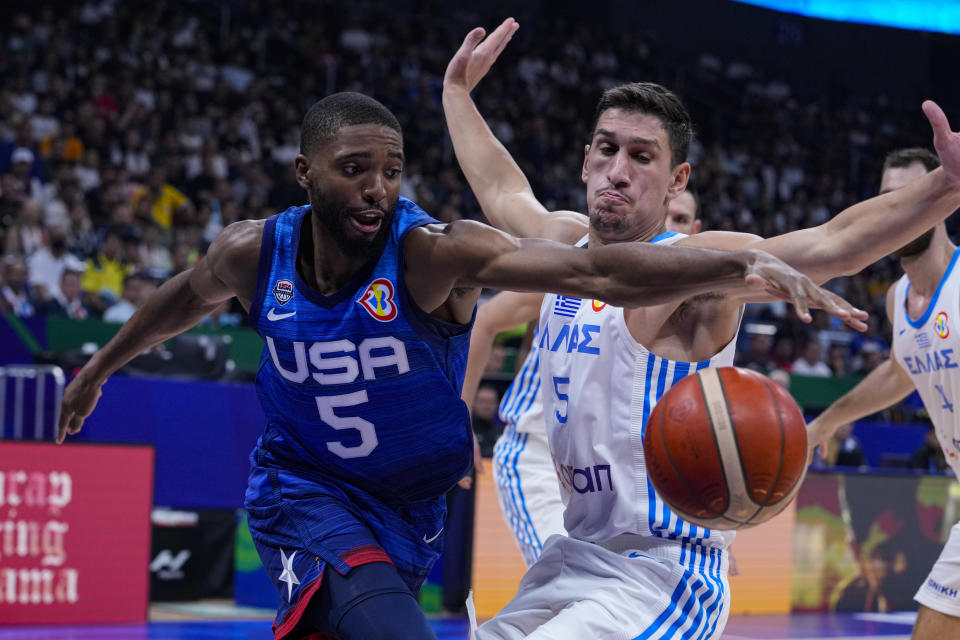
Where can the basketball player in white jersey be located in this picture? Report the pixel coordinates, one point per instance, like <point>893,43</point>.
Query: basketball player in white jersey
<point>924,308</point>
<point>523,472</point>
<point>630,568</point>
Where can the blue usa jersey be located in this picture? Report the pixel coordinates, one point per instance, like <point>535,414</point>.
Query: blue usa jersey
<point>360,386</point>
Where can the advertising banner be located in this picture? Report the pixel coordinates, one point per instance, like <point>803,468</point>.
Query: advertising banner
<point>866,542</point>
<point>74,532</point>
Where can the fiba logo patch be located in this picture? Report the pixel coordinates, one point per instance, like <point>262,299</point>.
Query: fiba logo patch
<point>283,291</point>
<point>378,300</point>
<point>941,325</point>
<point>598,306</point>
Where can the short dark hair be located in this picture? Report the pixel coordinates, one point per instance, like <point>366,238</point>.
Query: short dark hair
<point>326,117</point>
<point>901,158</point>
<point>654,100</point>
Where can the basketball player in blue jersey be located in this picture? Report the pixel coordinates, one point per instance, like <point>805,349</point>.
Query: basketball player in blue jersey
<point>922,307</point>
<point>630,567</point>
<point>523,472</point>
<point>365,303</point>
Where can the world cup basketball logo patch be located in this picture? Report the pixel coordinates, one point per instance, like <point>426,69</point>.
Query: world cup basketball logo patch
<point>378,300</point>
<point>941,327</point>
<point>283,291</point>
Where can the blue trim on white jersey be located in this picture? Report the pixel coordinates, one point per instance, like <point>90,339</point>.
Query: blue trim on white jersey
<point>700,584</point>
<point>663,236</point>
<point>922,320</point>
<point>663,522</point>
<point>524,389</point>
<point>519,520</point>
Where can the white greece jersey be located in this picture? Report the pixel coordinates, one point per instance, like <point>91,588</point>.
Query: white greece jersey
<point>928,348</point>
<point>522,407</point>
<point>599,386</point>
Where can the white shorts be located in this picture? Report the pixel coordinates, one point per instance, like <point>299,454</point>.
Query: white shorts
<point>643,588</point>
<point>941,590</point>
<point>528,489</point>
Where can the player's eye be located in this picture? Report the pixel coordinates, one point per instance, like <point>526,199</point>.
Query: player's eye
<point>393,173</point>
<point>608,149</point>
<point>351,169</point>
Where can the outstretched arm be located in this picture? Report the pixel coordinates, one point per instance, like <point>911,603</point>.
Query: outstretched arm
<point>470,254</point>
<point>883,387</point>
<point>500,186</point>
<point>870,230</point>
<point>228,269</point>
<point>503,311</point>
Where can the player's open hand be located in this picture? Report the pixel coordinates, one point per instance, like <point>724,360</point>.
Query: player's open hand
<point>818,432</point>
<point>476,55</point>
<point>782,281</point>
<point>79,399</point>
<point>945,141</point>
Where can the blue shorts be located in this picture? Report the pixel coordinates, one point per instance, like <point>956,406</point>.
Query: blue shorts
<point>300,525</point>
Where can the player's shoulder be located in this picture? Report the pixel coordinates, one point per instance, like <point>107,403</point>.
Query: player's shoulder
<point>565,226</point>
<point>723,240</point>
<point>238,244</point>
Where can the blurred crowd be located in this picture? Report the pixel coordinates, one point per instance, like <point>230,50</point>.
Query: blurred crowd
<point>131,134</point>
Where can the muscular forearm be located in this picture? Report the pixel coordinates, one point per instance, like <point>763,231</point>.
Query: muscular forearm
<point>489,168</point>
<point>171,310</point>
<point>627,274</point>
<point>642,275</point>
<point>883,387</point>
<point>866,232</point>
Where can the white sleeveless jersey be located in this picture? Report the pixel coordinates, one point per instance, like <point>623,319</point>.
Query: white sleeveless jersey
<point>599,386</point>
<point>522,406</point>
<point>929,350</point>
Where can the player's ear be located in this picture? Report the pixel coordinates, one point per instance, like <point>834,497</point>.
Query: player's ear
<point>678,180</point>
<point>584,173</point>
<point>696,225</point>
<point>302,166</point>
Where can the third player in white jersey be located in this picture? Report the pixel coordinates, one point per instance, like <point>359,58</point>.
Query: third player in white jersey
<point>928,349</point>
<point>924,308</point>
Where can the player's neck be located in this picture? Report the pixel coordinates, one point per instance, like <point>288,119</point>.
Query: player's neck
<point>926,270</point>
<point>321,262</point>
<point>598,238</point>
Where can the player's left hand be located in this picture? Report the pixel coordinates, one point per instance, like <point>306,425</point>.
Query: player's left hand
<point>467,481</point>
<point>472,62</point>
<point>945,141</point>
<point>784,282</point>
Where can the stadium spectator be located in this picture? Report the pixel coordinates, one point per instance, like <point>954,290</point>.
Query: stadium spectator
<point>811,363</point>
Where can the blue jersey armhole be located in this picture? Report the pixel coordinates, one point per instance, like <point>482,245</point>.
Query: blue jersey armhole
<point>433,330</point>
<point>265,266</point>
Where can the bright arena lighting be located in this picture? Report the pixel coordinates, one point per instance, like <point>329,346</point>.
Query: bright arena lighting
<point>922,15</point>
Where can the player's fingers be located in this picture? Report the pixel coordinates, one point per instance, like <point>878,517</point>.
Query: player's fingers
<point>473,38</point>
<point>65,417</point>
<point>504,34</point>
<point>936,116</point>
<point>802,304</point>
<point>75,424</point>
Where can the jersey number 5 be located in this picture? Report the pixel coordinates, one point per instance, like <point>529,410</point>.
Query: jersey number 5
<point>562,397</point>
<point>368,434</point>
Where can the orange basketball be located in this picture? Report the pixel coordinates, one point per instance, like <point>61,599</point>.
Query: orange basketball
<point>726,448</point>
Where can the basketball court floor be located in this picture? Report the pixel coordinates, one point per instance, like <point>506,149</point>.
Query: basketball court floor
<point>175,625</point>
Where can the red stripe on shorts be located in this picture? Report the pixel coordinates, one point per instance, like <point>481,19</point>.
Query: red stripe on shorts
<point>365,555</point>
<point>293,615</point>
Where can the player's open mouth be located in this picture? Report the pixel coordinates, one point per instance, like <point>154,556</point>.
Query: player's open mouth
<point>367,221</point>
